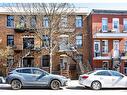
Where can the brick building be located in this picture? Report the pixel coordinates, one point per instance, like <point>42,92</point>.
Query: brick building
<point>28,50</point>
<point>109,34</point>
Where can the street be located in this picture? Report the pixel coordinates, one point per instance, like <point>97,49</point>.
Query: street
<point>73,88</point>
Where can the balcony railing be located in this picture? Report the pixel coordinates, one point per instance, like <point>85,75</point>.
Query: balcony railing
<point>109,34</point>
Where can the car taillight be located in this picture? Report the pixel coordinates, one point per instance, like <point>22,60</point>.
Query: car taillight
<point>85,77</point>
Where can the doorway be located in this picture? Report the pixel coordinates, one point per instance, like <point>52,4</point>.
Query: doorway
<point>28,62</point>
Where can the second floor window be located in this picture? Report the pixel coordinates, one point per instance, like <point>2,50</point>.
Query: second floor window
<point>64,21</point>
<point>22,22</point>
<point>33,22</point>
<point>79,41</point>
<point>125,24</point>
<point>78,21</point>
<point>10,21</point>
<point>104,24</point>
<point>10,40</point>
<point>28,43</point>
<point>105,46</point>
<point>46,22</point>
<point>116,24</point>
<point>46,41</point>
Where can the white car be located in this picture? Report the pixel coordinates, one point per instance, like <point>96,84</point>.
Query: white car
<point>103,79</point>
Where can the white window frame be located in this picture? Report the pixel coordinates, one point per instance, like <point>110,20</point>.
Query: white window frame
<point>46,21</point>
<point>79,40</point>
<point>116,50</point>
<point>98,42</point>
<point>78,23</point>
<point>124,23</point>
<point>105,46</point>
<point>115,29</point>
<point>63,21</point>
<point>103,24</point>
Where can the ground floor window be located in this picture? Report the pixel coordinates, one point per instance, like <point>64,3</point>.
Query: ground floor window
<point>45,61</point>
<point>105,65</point>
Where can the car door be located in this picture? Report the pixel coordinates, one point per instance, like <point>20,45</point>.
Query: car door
<point>40,77</point>
<point>118,80</point>
<point>104,77</point>
<point>26,75</point>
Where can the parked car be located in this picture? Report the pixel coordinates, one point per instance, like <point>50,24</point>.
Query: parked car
<point>3,83</point>
<point>103,79</point>
<point>30,76</point>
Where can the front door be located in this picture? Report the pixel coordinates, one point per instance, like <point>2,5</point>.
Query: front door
<point>28,62</point>
<point>116,48</point>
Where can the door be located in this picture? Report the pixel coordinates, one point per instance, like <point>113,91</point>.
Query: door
<point>40,77</point>
<point>115,24</point>
<point>118,80</point>
<point>115,48</point>
<point>96,48</point>
<point>28,62</point>
<point>104,77</point>
<point>26,75</point>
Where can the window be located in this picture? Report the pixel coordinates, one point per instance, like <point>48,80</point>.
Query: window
<point>46,22</point>
<point>116,24</point>
<point>104,24</point>
<point>103,73</point>
<point>33,21</point>
<point>46,41</point>
<point>28,71</point>
<point>125,46</point>
<point>10,40</point>
<point>79,21</point>
<point>79,41</point>
<point>125,24</point>
<point>114,73</point>
<point>64,21</point>
<point>45,60</point>
<point>105,46</point>
<point>63,43</point>
<point>96,48</point>
<point>10,21</point>
<point>22,22</point>
<point>28,43</point>
<point>36,71</point>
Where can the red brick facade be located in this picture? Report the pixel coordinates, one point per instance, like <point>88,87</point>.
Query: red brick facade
<point>114,39</point>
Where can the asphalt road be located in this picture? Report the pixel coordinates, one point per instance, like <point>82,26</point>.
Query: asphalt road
<point>73,88</point>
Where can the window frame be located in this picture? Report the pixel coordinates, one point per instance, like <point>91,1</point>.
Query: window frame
<point>105,46</point>
<point>104,24</point>
<point>12,40</point>
<point>79,40</point>
<point>46,22</point>
<point>47,60</point>
<point>10,21</point>
<point>79,21</point>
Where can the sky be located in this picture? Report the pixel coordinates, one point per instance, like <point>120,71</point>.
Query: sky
<point>89,4</point>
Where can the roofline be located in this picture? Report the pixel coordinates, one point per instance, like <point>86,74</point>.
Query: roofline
<point>104,11</point>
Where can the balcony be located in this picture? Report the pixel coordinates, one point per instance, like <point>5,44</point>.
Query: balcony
<point>109,34</point>
<point>98,56</point>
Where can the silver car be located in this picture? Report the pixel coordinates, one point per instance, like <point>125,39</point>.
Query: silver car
<point>31,76</point>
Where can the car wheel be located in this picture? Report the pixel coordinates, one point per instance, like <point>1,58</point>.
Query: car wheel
<point>55,85</point>
<point>16,84</point>
<point>96,85</point>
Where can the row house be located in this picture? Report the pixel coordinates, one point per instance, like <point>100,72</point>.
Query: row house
<point>109,39</point>
<point>28,50</point>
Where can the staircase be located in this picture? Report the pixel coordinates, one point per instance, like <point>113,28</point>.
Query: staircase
<point>116,63</point>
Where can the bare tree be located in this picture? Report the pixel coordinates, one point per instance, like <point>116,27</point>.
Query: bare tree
<point>58,24</point>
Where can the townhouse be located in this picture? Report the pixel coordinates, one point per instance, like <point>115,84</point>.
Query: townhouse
<point>109,39</point>
<point>28,50</point>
